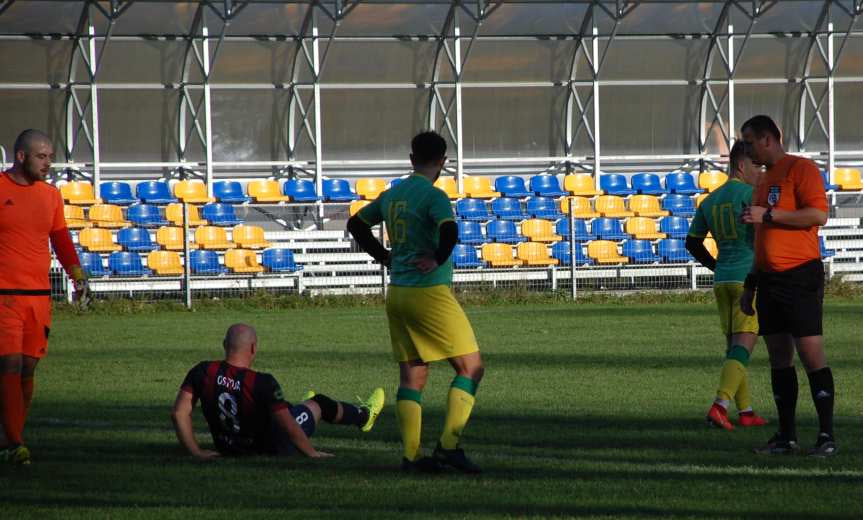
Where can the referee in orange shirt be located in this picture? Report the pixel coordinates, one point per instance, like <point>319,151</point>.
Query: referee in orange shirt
<point>31,215</point>
<point>788,205</point>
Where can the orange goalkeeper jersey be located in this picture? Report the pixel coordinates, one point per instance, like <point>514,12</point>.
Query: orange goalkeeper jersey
<point>28,214</point>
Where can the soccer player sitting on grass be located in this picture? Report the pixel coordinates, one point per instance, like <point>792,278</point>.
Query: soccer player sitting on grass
<point>246,411</point>
<point>720,215</point>
<point>425,320</point>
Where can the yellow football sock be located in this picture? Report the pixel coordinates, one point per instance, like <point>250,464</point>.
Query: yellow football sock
<point>743,399</point>
<point>410,416</point>
<point>460,403</point>
<point>733,372</point>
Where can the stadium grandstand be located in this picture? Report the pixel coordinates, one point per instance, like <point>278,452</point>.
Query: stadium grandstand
<point>218,147</point>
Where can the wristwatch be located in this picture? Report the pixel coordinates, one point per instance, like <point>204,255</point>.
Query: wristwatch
<point>768,216</point>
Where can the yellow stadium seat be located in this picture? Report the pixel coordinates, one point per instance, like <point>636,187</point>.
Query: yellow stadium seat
<point>251,237</point>
<point>171,238</point>
<point>165,262</point>
<point>369,189</point>
<point>174,213</point>
<point>79,192</point>
<point>193,192</point>
<point>605,252</point>
<point>700,198</point>
<point>107,216</point>
<point>646,206</point>
<point>612,206</point>
<point>75,217</point>
<point>533,253</point>
<point>711,247</point>
<point>499,255</point>
<point>539,230</point>
<point>643,228</point>
<point>212,237</point>
<point>449,186</point>
<point>580,184</point>
<point>266,191</point>
<point>242,261</point>
<point>848,179</point>
<point>97,239</point>
<point>581,207</point>
<point>357,205</point>
<point>711,180</point>
<point>479,187</point>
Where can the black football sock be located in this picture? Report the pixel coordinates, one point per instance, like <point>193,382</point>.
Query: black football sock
<point>784,382</point>
<point>353,414</point>
<point>821,385</point>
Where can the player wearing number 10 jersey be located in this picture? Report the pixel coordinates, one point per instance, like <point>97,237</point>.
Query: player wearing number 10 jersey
<point>720,215</point>
<point>246,411</point>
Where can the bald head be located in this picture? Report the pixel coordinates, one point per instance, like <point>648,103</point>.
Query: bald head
<point>28,139</point>
<point>240,338</point>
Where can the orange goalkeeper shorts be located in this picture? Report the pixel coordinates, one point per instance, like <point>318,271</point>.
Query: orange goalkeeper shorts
<point>25,322</point>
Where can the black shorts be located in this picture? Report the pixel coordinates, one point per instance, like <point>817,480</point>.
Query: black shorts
<point>790,302</point>
<point>278,442</point>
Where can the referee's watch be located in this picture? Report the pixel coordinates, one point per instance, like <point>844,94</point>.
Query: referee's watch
<point>768,216</point>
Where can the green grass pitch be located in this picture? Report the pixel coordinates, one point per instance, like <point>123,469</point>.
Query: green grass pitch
<point>589,410</point>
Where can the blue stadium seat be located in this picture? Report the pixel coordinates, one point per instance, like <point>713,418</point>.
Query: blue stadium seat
<point>508,208</point>
<point>674,227</point>
<point>338,190</point>
<point>640,251</point>
<point>230,192</point>
<point>581,234</point>
<point>470,232</point>
<point>825,253</point>
<point>219,214</point>
<point>205,261</point>
<point>680,205</point>
<point>544,207</point>
<point>155,192</point>
<point>546,185</point>
<point>827,185</point>
<point>472,209</point>
<point>511,186</point>
<point>300,190</point>
<point>674,250</point>
<point>560,250</point>
<point>145,215</point>
<point>647,184</point>
<point>682,183</point>
<point>615,184</point>
<point>135,239</point>
<point>126,263</point>
<point>280,260</point>
<point>465,256</point>
<point>117,193</point>
<point>92,264</point>
<point>503,231</point>
<point>608,229</point>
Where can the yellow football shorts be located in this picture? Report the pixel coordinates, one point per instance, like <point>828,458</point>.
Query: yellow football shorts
<point>731,318</point>
<point>427,323</point>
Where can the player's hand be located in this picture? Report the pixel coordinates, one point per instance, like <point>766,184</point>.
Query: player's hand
<point>82,292</point>
<point>425,264</point>
<point>753,215</point>
<point>746,300</point>
<point>206,455</point>
<point>321,455</point>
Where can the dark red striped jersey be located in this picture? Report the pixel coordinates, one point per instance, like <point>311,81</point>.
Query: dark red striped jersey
<point>238,404</point>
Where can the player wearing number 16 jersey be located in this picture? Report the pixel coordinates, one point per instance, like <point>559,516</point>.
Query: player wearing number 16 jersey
<point>246,411</point>
<point>720,215</point>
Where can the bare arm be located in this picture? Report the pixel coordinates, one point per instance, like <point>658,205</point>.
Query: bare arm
<point>801,218</point>
<point>181,416</point>
<point>298,437</point>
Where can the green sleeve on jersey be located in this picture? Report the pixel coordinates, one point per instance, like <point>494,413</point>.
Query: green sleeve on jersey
<point>698,228</point>
<point>372,214</point>
<point>440,209</point>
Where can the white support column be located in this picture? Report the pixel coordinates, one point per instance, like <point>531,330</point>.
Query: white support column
<point>731,67</point>
<point>208,115</point>
<point>94,107</point>
<point>319,154</point>
<point>596,148</point>
<point>831,139</point>
<point>459,172</point>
